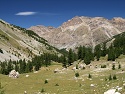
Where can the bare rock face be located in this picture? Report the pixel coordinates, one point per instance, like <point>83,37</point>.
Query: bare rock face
<point>119,23</point>
<point>82,30</point>
<point>14,74</point>
<point>15,44</point>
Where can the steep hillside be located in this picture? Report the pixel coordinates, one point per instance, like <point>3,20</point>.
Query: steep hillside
<point>18,43</point>
<point>82,30</point>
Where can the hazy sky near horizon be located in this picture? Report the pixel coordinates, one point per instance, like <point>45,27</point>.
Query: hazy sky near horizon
<point>26,13</point>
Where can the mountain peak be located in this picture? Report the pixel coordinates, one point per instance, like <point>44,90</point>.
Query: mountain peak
<point>87,31</point>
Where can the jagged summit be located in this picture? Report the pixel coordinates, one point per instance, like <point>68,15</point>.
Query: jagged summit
<point>88,31</point>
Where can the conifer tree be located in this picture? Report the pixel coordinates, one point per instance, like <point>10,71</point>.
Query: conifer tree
<point>22,66</point>
<point>9,67</point>
<point>80,52</point>
<point>64,62</point>
<point>104,50</point>
<point>111,53</point>
<point>87,58</point>
<point>16,67</point>
<point>97,52</point>
<point>119,66</point>
<point>70,57</point>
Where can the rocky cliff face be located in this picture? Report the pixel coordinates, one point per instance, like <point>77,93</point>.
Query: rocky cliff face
<point>78,31</point>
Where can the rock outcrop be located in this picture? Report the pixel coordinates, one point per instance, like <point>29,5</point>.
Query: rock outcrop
<point>14,74</point>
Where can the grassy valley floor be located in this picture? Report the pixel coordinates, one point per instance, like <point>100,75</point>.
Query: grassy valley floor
<point>65,82</point>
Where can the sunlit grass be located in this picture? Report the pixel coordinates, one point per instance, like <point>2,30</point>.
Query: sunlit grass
<point>67,83</point>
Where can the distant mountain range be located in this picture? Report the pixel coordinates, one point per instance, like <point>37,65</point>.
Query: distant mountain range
<point>82,30</point>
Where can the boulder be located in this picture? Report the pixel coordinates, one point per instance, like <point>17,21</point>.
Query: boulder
<point>14,74</point>
<point>82,66</point>
<point>111,91</point>
<point>27,75</point>
<point>74,68</point>
<point>57,70</point>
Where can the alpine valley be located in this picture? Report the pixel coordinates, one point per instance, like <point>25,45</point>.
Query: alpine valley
<point>85,55</point>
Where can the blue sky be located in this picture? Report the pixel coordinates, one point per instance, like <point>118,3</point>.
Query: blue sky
<point>26,13</point>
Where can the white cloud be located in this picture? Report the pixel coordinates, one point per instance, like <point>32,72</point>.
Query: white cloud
<point>25,13</point>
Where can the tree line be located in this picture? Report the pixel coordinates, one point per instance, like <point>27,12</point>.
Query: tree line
<point>23,66</point>
<point>87,54</point>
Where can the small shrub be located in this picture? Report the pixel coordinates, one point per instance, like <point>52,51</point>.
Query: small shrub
<point>56,84</point>
<point>114,77</point>
<point>42,90</point>
<point>80,85</point>
<point>90,76</point>
<point>105,79</point>
<point>110,77</point>
<point>119,66</point>
<point>1,89</point>
<point>83,68</point>
<point>46,81</point>
<point>77,66</point>
<point>113,67</point>
<point>1,51</point>
<point>77,74</point>
<point>103,66</point>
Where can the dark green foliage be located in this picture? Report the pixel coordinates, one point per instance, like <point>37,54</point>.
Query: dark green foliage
<point>16,67</point>
<point>114,77</point>
<point>119,66</point>
<point>104,50</point>
<point>75,56</point>
<point>70,57</point>
<point>22,66</point>
<point>111,53</point>
<point>64,61</point>
<point>1,89</point>
<point>56,84</point>
<point>77,66</point>
<point>80,52</point>
<point>113,67</point>
<point>123,50</point>
<point>42,90</point>
<point>103,66</point>
<point>77,74</point>
<point>46,81</point>
<point>3,68</point>
<point>105,79</point>
<point>4,37</point>
<point>1,51</point>
<point>9,67</point>
<point>97,52</point>
<point>87,58</point>
<point>89,76</point>
<point>2,22</point>
<point>110,77</point>
<point>80,85</point>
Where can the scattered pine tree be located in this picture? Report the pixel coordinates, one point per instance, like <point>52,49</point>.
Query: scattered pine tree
<point>89,76</point>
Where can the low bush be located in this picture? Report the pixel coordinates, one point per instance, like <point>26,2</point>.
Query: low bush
<point>77,74</point>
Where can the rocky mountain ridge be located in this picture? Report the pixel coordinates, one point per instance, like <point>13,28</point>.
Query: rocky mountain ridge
<point>18,43</point>
<point>87,31</point>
